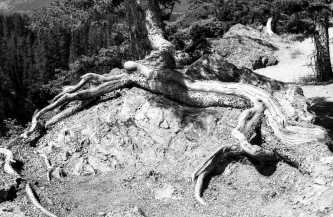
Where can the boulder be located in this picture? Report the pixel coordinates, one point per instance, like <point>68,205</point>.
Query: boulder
<point>247,47</point>
<point>138,131</point>
<point>215,67</point>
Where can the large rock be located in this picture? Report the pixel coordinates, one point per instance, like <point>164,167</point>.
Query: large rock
<point>147,147</point>
<point>138,130</point>
<point>215,67</point>
<point>247,47</point>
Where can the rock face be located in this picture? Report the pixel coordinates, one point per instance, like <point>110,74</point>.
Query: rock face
<point>215,67</point>
<point>246,47</point>
<point>138,130</point>
<point>150,146</point>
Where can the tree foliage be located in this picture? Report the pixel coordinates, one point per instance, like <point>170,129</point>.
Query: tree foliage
<point>293,16</point>
<point>33,46</point>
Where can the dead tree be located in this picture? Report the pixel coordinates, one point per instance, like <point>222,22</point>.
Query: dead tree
<point>320,14</point>
<point>157,73</point>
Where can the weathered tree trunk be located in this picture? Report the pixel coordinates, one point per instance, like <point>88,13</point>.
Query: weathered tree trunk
<point>285,113</point>
<point>321,39</point>
<point>138,33</point>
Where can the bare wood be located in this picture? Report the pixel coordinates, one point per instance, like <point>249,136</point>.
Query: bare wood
<point>248,123</point>
<point>79,95</point>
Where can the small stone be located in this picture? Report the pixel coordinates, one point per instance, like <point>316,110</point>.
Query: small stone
<point>166,192</point>
<point>101,214</point>
<point>164,124</point>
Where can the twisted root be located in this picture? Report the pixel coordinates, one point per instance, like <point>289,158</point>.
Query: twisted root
<point>156,73</point>
<point>35,201</point>
<point>248,124</point>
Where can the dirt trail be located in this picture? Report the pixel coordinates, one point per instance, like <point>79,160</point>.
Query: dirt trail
<point>296,64</point>
<point>295,60</point>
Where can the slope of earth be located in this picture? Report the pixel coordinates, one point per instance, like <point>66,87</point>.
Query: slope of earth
<point>133,154</point>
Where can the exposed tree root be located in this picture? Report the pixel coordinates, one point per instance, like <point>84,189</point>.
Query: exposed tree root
<point>35,201</point>
<point>9,158</point>
<point>248,126</point>
<point>69,111</point>
<point>209,166</point>
<point>79,95</point>
<point>157,73</point>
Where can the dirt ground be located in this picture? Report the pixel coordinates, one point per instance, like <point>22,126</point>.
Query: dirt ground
<point>296,59</point>
<point>242,190</point>
<point>243,187</point>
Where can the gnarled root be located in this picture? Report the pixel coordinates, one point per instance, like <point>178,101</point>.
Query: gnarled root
<point>248,124</point>
<point>35,201</point>
<point>69,111</point>
<point>156,73</point>
<point>68,96</point>
<point>87,78</point>
<point>209,166</point>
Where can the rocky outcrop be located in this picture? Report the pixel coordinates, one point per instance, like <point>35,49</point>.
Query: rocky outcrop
<point>216,67</point>
<point>139,130</point>
<point>147,135</point>
<point>246,47</point>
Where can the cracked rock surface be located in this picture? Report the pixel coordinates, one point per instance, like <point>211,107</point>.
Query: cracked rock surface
<point>134,156</point>
<point>138,130</point>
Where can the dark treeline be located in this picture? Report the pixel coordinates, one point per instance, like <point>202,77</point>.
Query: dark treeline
<point>29,57</point>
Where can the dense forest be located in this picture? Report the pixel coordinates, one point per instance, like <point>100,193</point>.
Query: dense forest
<point>34,51</point>
<point>50,47</point>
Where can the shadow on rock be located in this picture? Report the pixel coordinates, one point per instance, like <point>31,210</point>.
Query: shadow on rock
<point>265,168</point>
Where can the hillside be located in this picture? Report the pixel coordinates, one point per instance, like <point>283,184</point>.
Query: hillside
<point>142,118</point>
<point>133,155</point>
